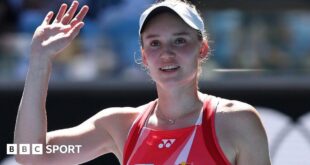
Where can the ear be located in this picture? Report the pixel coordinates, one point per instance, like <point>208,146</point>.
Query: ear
<point>204,49</point>
<point>144,61</point>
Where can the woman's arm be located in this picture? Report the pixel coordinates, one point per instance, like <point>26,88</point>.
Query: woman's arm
<point>50,38</point>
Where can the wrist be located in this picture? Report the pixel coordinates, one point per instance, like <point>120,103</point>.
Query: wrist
<point>40,62</point>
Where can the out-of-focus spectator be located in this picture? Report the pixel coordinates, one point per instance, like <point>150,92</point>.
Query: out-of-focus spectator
<point>31,15</point>
<point>253,40</point>
<point>265,43</point>
<point>270,40</point>
<point>120,25</point>
<point>14,49</point>
<point>298,24</point>
<point>225,33</point>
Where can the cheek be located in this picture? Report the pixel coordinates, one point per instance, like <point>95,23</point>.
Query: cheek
<point>149,58</point>
<point>152,54</point>
<point>189,52</point>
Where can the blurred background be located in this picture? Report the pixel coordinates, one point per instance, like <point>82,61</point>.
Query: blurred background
<point>260,54</point>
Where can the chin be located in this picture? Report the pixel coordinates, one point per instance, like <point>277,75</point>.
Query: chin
<point>175,82</point>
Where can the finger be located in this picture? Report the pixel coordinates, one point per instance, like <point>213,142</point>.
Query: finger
<point>80,16</point>
<point>61,13</point>
<point>48,18</point>
<point>74,22</point>
<point>75,30</point>
<point>70,13</point>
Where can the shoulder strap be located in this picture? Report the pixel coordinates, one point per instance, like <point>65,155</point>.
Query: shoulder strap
<point>208,125</point>
<point>135,131</point>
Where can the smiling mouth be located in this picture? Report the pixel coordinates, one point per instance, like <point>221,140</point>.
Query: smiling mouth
<point>169,68</point>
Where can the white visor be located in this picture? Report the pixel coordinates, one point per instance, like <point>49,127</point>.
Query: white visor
<point>188,15</point>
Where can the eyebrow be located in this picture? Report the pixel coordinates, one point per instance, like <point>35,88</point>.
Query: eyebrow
<point>174,34</point>
<point>181,33</point>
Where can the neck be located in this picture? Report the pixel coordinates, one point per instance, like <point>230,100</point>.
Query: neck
<point>174,103</point>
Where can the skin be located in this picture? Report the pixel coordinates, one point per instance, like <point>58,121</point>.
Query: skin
<point>167,41</point>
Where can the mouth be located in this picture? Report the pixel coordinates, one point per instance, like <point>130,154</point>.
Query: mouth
<point>169,68</point>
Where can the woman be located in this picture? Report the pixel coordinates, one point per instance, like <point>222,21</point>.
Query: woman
<point>182,126</point>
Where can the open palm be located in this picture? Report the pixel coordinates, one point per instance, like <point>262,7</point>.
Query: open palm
<point>50,38</point>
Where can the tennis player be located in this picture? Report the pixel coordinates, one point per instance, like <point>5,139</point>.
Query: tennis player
<point>182,126</point>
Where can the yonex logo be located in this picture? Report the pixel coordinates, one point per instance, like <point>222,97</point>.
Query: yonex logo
<point>166,143</point>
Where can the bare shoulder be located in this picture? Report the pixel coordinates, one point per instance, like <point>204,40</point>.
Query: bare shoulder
<point>239,116</point>
<point>247,137</point>
<point>117,116</point>
<point>231,106</point>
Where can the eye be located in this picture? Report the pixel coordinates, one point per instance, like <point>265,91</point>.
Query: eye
<point>180,41</point>
<point>155,43</point>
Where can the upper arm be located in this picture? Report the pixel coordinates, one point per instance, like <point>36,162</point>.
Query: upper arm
<point>93,135</point>
<point>250,138</point>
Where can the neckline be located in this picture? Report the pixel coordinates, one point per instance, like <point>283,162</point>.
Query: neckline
<point>198,121</point>
<point>171,130</point>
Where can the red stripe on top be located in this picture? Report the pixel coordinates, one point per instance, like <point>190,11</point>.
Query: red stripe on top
<point>211,141</point>
<point>135,132</point>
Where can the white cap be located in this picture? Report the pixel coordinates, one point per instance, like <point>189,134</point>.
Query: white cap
<point>188,14</point>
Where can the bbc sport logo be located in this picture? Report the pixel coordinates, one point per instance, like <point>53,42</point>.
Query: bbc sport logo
<point>37,149</point>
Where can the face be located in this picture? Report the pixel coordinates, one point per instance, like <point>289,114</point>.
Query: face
<point>171,50</point>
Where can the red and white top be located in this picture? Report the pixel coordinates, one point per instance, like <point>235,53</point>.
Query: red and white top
<point>193,145</point>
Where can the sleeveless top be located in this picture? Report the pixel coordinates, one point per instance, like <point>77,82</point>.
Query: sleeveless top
<point>193,145</point>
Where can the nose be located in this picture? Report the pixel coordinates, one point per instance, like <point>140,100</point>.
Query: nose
<point>167,53</point>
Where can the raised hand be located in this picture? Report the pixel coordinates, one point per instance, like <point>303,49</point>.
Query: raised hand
<point>50,38</point>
